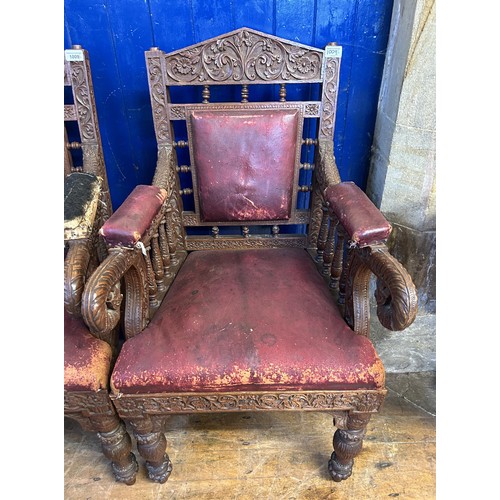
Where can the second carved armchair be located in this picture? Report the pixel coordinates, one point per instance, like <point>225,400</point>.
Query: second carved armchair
<point>268,309</point>
<point>87,204</point>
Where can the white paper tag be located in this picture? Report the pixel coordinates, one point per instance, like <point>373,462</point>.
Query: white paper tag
<point>73,55</point>
<point>333,51</point>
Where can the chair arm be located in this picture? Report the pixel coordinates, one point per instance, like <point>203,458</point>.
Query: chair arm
<point>395,294</point>
<point>360,218</point>
<point>76,265</point>
<point>101,298</point>
<point>137,218</point>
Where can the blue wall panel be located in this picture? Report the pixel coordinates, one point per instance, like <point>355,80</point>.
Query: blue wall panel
<point>117,33</point>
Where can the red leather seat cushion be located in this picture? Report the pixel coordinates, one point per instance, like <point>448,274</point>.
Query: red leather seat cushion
<point>362,220</point>
<point>234,152</point>
<point>131,220</point>
<point>247,320</point>
<point>87,360</point>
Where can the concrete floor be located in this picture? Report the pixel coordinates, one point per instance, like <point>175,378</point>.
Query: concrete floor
<point>275,455</point>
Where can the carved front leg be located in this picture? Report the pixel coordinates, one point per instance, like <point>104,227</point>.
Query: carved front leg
<point>116,446</point>
<point>347,443</point>
<point>152,444</point>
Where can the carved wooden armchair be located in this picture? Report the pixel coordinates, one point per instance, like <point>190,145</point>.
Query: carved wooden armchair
<point>272,316</point>
<point>87,204</point>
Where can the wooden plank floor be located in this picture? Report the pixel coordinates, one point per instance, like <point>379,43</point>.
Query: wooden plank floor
<point>270,456</point>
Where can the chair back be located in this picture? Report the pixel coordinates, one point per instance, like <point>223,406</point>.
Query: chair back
<point>238,121</point>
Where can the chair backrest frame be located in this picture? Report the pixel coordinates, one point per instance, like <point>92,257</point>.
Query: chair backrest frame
<point>78,76</point>
<point>242,57</point>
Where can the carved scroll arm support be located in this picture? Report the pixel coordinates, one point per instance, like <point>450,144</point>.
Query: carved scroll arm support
<point>367,231</point>
<point>395,294</point>
<point>76,265</point>
<point>101,299</point>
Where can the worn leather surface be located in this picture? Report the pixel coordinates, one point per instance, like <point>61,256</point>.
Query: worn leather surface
<point>81,196</point>
<point>133,217</point>
<point>87,360</point>
<point>362,220</point>
<point>247,320</point>
<point>245,163</point>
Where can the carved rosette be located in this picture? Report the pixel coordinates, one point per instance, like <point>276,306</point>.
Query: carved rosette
<point>69,112</point>
<point>158,100</point>
<point>244,57</point>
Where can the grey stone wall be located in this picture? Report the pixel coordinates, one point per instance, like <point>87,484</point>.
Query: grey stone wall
<point>402,180</point>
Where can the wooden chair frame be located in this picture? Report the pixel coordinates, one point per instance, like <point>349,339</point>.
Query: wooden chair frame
<point>346,266</point>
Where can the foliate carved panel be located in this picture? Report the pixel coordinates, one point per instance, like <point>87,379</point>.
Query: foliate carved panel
<point>158,95</point>
<point>130,406</point>
<point>221,243</point>
<point>88,404</point>
<point>83,93</point>
<point>330,90</point>
<point>244,56</point>
<point>310,109</point>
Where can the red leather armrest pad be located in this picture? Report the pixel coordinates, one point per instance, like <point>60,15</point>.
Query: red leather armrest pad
<point>362,220</point>
<point>133,217</point>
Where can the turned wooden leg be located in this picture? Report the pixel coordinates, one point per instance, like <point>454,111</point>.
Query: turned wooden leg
<point>347,443</point>
<point>151,444</point>
<point>116,446</point>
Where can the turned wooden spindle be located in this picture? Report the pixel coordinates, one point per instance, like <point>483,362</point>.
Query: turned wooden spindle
<point>180,144</point>
<point>338,259</point>
<point>329,250</point>
<point>152,286</point>
<point>310,142</point>
<point>206,94</point>
<point>163,240</point>
<point>282,92</point>
<point>275,231</point>
<point>307,166</point>
<point>244,93</point>
<point>171,236</point>
<point>323,233</point>
<point>157,263</point>
<point>215,232</point>
<point>246,231</point>
<point>343,280</point>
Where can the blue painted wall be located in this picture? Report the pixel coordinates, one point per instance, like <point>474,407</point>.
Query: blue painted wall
<point>116,33</point>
